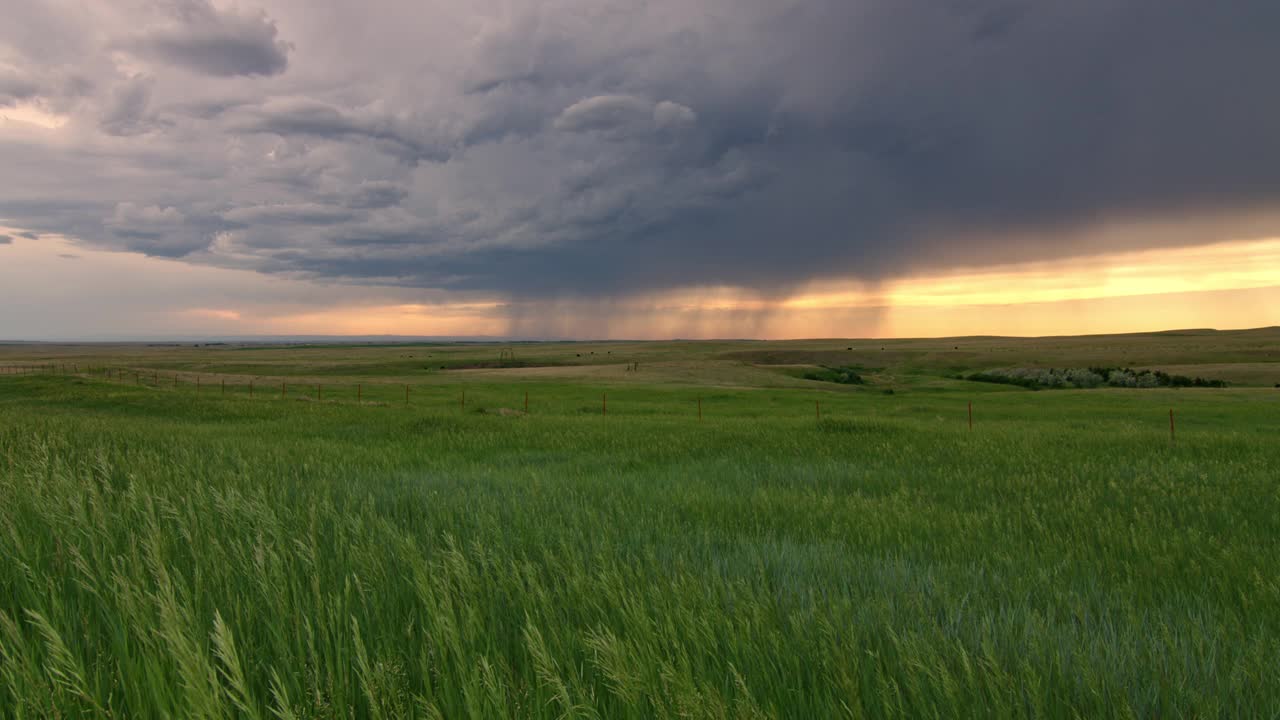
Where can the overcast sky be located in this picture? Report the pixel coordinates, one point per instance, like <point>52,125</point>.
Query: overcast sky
<point>533,153</point>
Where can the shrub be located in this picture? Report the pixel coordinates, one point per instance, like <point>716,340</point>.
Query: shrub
<point>1083,378</point>
<point>840,375</point>
<point>1086,378</point>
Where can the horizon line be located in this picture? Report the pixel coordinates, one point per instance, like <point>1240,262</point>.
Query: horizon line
<point>488,339</point>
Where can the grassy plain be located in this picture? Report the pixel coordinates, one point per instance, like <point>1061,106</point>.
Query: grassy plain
<point>172,553</point>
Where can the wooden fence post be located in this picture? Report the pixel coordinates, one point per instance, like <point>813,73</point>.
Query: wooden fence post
<point>604,404</point>
<point>1172,438</point>
<point>699,409</point>
<point>971,416</point>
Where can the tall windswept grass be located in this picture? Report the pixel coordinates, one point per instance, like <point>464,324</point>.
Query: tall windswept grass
<point>164,559</point>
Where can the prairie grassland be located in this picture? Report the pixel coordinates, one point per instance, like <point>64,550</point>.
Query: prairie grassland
<point>168,554</point>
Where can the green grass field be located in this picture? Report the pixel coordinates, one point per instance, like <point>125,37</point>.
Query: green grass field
<point>167,552</point>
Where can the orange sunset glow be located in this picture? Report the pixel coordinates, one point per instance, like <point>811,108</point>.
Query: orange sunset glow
<point>1121,292</point>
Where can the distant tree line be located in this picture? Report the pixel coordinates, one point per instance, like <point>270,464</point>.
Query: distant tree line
<point>1086,378</point>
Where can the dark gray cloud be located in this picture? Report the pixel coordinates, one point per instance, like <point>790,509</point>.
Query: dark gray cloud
<point>579,147</point>
<point>47,87</point>
<point>14,87</point>
<point>155,230</point>
<point>126,114</point>
<point>6,240</point>
<point>409,138</point>
<point>287,214</point>
<point>374,194</point>
<point>220,42</point>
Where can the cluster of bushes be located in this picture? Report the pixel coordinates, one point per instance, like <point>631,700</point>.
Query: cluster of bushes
<point>1184,381</point>
<point>841,375</point>
<point>1084,378</point>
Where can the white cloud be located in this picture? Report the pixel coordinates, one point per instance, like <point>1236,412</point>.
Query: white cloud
<point>668,115</point>
<point>607,113</point>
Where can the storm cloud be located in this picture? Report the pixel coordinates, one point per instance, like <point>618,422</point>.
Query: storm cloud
<point>201,38</point>
<point>14,87</point>
<point>559,148</point>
